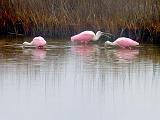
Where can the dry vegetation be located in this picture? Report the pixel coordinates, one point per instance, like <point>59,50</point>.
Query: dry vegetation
<point>56,17</point>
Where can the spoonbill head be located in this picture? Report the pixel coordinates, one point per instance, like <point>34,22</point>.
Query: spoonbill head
<point>108,43</point>
<point>97,35</point>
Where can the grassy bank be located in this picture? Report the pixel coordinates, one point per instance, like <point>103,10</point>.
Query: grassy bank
<point>139,19</point>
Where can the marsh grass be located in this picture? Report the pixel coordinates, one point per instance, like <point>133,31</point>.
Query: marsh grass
<point>66,17</point>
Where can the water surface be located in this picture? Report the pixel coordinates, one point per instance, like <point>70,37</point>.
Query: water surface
<point>66,81</point>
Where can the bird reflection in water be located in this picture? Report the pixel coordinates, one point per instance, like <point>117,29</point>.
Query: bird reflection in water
<point>83,50</point>
<point>36,54</point>
<point>126,54</point>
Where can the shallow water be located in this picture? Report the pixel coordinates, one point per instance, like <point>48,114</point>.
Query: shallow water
<point>66,81</point>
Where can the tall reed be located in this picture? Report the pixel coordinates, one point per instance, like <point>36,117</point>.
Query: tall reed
<point>50,17</point>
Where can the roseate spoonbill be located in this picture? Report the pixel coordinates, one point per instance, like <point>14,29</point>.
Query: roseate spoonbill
<point>37,42</point>
<point>122,42</point>
<point>86,36</point>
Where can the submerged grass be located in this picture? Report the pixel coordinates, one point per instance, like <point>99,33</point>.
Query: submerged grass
<point>65,17</point>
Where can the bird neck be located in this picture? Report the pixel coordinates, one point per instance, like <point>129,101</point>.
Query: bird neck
<point>97,36</point>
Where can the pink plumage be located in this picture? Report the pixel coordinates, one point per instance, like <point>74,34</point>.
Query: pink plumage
<point>38,41</point>
<point>83,37</point>
<point>125,42</point>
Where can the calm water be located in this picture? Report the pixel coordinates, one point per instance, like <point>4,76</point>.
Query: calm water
<point>76,82</point>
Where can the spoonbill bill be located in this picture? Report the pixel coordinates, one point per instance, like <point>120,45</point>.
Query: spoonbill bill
<point>122,42</point>
<point>86,36</point>
<point>37,42</point>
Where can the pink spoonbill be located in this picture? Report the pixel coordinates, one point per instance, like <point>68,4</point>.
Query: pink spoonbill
<point>122,42</point>
<point>37,42</point>
<point>86,36</point>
